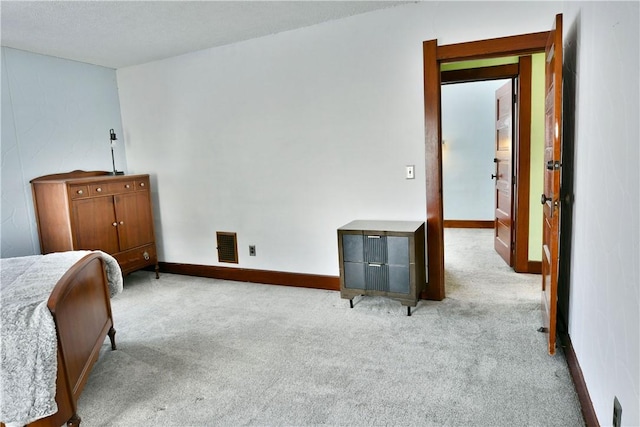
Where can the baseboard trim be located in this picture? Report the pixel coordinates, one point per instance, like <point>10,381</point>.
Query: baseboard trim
<point>331,283</point>
<point>534,267</point>
<point>457,223</point>
<point>588,413</point>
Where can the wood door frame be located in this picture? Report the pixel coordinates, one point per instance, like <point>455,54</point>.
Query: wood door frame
<point>433,57</point>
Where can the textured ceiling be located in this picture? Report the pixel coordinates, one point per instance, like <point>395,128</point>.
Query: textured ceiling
<point>117,34</point>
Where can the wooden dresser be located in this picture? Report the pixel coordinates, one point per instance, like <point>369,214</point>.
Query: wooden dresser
<point>97,211</point>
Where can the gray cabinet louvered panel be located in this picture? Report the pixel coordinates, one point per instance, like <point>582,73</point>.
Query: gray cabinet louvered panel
<point>377,277</point>
<point>375,249</point>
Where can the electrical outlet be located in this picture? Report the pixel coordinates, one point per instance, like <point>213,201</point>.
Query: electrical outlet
<point>409,172</point>
<point>617,412</point>
<point>252,250</point>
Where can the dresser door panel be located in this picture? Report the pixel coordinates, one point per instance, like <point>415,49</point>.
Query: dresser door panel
<point>399,279</point>
<point>94,227</point>
<point>354,277</point>
<point>133,213</point>
<point>353,249</point>
<point>398,250</point>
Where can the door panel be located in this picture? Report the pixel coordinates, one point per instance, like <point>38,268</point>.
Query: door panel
<point>95,224</point>
<point>551,197</point>
<point>354,275</point>
<point>134,218</point>
<point>353,248</point>
<point>503,176</point>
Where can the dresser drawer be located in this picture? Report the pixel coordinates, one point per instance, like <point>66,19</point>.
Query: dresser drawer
<point>105,188</point>
<point>122,186</point>
<point>142,184</point>
<point>137,258</point>
<point>78,191</point>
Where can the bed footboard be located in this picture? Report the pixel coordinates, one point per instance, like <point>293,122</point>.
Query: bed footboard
<point>81,308</point>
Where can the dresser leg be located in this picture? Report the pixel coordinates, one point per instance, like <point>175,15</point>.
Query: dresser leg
<point>408,311</point>
<point>157,271</point>
<point>112,338</point>
<point>351,303</point>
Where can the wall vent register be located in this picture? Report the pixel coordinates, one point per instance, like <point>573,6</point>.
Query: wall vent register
<point>227,247</point>
<point>384,258</point>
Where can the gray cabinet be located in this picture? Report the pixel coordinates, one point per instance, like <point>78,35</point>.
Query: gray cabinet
<point>382,258</point>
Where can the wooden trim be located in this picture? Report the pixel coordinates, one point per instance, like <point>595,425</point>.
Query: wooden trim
<point>588,413</point>
<point>461,223</point>
<point>479,74</point>
<point>534,267</point>
<point>522,164</point>
<point>331,283</point>
<point>433,162</point>
<point>523,44</point>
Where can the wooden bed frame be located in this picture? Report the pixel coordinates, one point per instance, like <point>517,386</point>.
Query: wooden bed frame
<point>81,309</point>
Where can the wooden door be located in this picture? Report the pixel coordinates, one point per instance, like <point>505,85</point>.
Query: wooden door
<point>95,225</point>
<point>503,228</point>
<point>135,223</point>
<point>551,197</point>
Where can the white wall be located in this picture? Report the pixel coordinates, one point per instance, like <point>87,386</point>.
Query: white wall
<point>56,116</point>
<point>604,315</point>
<point>285,138</point>
<point>468,129</point>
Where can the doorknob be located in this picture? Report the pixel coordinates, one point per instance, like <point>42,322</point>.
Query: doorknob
<point>544,199</point>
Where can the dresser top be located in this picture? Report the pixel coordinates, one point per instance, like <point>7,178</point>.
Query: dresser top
<point>381,225</point>
<point>84,176</point>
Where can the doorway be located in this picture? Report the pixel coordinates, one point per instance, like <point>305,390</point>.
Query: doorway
<point>517,224</point>
<point>434,56</point>
<point>477,157</point>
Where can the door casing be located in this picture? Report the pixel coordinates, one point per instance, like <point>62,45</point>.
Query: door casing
<point>433,57</point>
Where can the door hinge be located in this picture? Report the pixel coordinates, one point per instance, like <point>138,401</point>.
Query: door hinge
<point>553,165</point>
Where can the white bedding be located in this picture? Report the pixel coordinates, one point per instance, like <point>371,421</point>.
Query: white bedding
<point>28,343</point>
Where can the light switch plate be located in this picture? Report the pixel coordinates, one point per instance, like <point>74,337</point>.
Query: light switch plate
<point>409,174</point>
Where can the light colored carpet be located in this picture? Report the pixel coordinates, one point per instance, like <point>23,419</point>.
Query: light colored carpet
<point>204,352</point>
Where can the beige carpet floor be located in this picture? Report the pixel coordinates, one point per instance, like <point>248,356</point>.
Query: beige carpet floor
<point>204,352</point>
